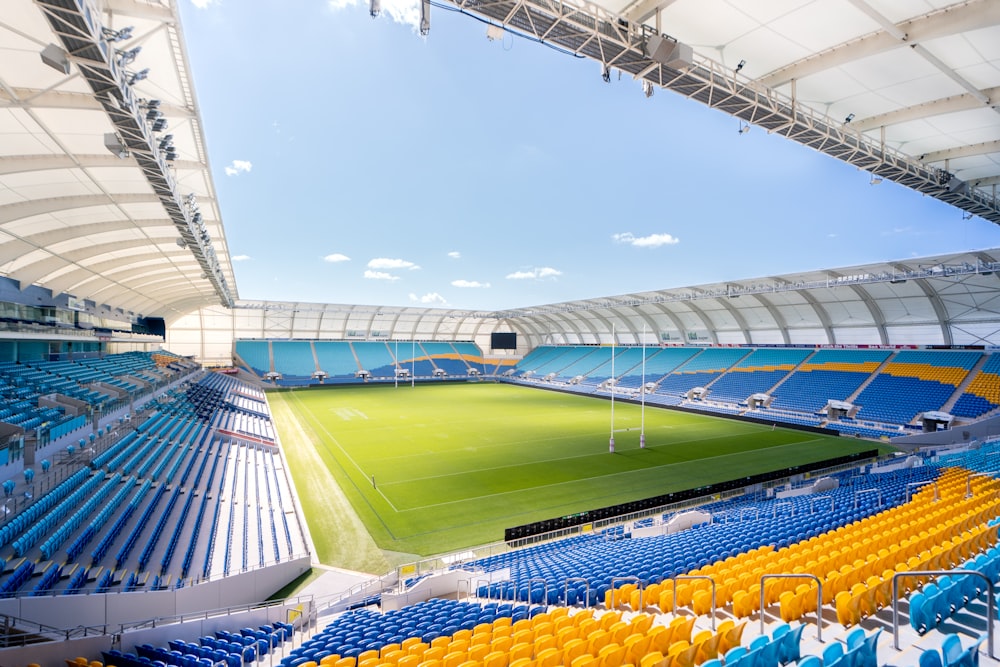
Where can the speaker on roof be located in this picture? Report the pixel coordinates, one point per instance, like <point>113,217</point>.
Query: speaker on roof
<point>669,52</point>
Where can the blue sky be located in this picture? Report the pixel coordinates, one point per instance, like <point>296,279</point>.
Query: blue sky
<point>357,162</point>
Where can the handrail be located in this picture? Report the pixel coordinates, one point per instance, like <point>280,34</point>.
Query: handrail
<point>978,473</point>
<point>937,495</point>
<point>545,589</point>
<point>860,492</point>
<point>812,501</point>
<point>819,598</point>
<point>695,576</point>
<point>586,602</point>
<point>637,580</point>
<point>990,601</point>
<point>783,503</point>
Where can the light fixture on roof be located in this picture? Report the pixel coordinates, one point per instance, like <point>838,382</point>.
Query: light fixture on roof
<point>56,58</point>
<point>136,77</point>
<point>159,125</point>
<point>115,144</point>
<point>967,215</point>
<point>647,88</point>
<point>741,65</point>
<point>494,32</point>
<point>606,74</point>
<point>876,179</point>
<point>849,118</point>
<point>744,127</point>
<point>375,8</point>
<point>119,35</point>
<point>127,57</point>
<point>181,242</point>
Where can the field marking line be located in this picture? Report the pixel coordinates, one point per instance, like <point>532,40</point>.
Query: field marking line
<point>580,456</point>
<point>588,479</point>
<point>350,458</point>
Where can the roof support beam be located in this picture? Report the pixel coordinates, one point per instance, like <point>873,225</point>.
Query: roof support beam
<point>941,23</point>
<point>621,45</point>
<point>984,148</point>
<point>945,105</point>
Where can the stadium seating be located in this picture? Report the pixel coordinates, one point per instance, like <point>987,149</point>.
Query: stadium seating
<point>914,381</point>
<point>983,393</point>
<point>756,373</point>
<point>148,505</point>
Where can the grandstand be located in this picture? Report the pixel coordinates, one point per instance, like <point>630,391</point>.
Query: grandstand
<point>150,506</point>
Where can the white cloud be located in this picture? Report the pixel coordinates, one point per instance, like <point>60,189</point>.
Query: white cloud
<point>380,275</point>
<point>468,283</point>
<point>536,273</point>
<point>388,263</point>
<point>400,11</point>
<point>429,298</point>
<point>454,254</point>
<point>241,258</point>
<point>651,241</point>
<point>238,166</point>
<point>336,257</point>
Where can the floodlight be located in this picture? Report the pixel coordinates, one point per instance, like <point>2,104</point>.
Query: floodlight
<point>119,35</point>
<point>129,56</point>
<point>956,185</point>
<point>56,58</point>
<point>494,32</point>
<point>375,7</point>
<point>138,76</point>
<point>876,179</point>
<point>741,65</point>
<point>647,88</point>
<point>181,242</point>
<point>744,127</point>
<point>849,118</point>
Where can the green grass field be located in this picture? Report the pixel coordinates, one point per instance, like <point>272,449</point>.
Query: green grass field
<point>455,464</point>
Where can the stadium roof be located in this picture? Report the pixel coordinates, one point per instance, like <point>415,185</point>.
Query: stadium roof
<point>908,90</point>
<point>95,201</point>
<point>943,300</point>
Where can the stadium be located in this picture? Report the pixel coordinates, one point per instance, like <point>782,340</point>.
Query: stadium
<point>795,468</point>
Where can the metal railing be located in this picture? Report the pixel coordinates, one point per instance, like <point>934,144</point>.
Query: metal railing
<point>703,577</point>
<point>861,492</point>
<point>990,601</point>
<point>910,485</point>
<point>819,598</point>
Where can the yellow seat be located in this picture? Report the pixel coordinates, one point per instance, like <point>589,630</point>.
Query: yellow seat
<point>612,655</point>
<point>345,662</point>
<point>597,640</point>
<point>567,634</point>
<point>732,637</point>
<point>367,662</point>
<point>418,649</point>
<point>435,653</point>
<point>636,646</point>
<point>504,621</point>
<point>442,641</point>
<point>523,650</point>
<point>501,644</point>
<point>481,638</point>
<point>573,649</point>
<point>641,623</point>
<point>502,631</point>
<point>430,663</point>
<point>609,618</point>
<point>459,635</point>
<point>478,651</point>
<point>410,660</point>
<point>651,659</point>
<point>522,662</point>
<point>407,643</point>
<point>454,659</point>
<point>387,649</point>
<point>481,628</point>
<point>544,642</point>
<point>329,660</point>
<point>495,659</point>
<point>585,660</point>
<point>458,646</point>
<point>367,655</point>
<point>549,657</point>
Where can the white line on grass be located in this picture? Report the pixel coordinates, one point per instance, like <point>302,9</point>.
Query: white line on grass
<point>351,459</point>
<point>583,479</point>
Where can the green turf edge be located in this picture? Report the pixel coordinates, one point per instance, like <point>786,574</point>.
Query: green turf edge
<point>339,536</point>
<point>350,493</point>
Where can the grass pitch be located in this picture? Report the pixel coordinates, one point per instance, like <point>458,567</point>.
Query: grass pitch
<point>441,467</point>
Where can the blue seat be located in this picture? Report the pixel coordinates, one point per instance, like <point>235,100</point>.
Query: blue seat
<point>930,658</point>
<point>790,643</point>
